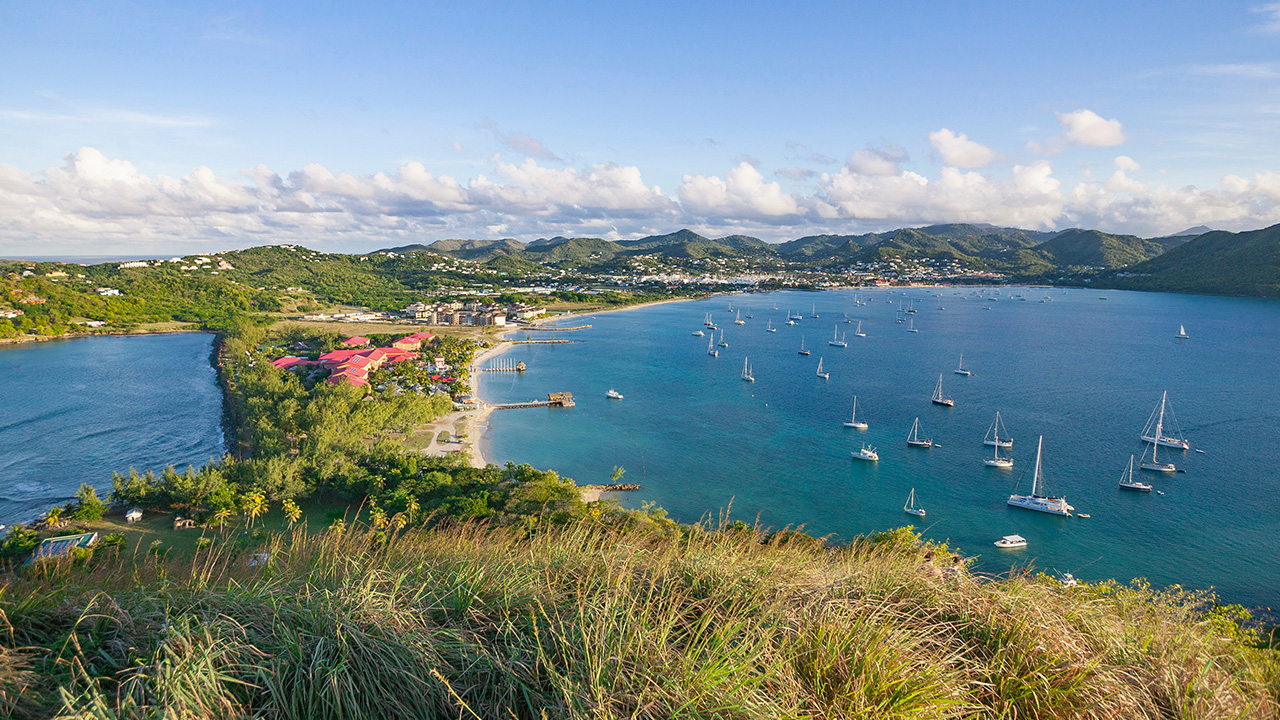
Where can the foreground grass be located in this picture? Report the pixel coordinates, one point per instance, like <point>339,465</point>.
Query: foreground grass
<point>588,621</point>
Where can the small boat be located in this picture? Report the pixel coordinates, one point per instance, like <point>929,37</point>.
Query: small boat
<point>911,326</point>
<point>1182,333</point>
<point>847,321</point>
<point>1011,541</point>
<point>1083,515</point>
<point>994,436</point>
<point>911,307</point>
<point>821,374</point>
<point>1128,483</point>
<point>960,367</point>
<point>910,508</point>
<point>802,350</point>
<point>1036,501</point>
<point>937,398</point>
<point>768,327</point>
<point>853,421</point>
<point>613,394</point>
<point>738,320</point>
<point>913,437</point>
<point>707,321</point>
<point>858,332</point>
<point>722,343</point>
<point>866,453</point>
<point>1201,451</point>
<point>836,340</point>
<point>746,372</point>
<point>1152,435</point>
<point>698,333</point>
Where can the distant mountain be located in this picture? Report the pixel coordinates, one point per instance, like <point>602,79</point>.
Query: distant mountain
<point>822,246</point>
<point>1197,230</point>
<point>1076,247</point>
<point>1218,263</point>
<point>574,251</point>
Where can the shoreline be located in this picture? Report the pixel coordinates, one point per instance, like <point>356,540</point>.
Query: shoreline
<point>25,339</point>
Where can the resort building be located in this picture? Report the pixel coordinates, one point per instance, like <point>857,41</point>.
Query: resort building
<point>356,341</point>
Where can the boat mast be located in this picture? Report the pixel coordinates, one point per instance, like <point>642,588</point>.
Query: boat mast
<point>1035,479</point>
<point>1155,446</point>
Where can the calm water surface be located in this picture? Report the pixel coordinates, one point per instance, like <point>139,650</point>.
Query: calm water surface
<point>76,410</point>
<point>1082,372</point>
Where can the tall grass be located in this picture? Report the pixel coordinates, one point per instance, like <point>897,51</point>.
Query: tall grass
<point>594,621</point>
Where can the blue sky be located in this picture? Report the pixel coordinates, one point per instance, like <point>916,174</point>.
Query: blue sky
<point>137,127</point>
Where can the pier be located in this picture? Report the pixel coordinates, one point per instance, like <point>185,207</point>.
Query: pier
<point>560,399</point>
<point>556,329</point>
<point>506,366</point>
<point>540,342</point>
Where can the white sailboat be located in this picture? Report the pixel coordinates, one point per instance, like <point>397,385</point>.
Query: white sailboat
<point>1182,333</point>
<point>1036,501</point>
<point>998,435</point>
<point>853,421</point>
<point>814,312</point>
<point>938,399</point>
<point>858,332</point>
<point>746,371</point>
<point>722,343</point>
<point>698,333</point>
<point>995,461</point>
<point>768,327</point>
<point>911,326</point>
<point>711,348</point>
<point>866,453</point>
<point>1152,434</point>
<point>821,374</point>
<point>738,320</point>
<point>910,507</point>
<point>803,351</point>
<point>707,321</point>
<point>1154,464</point>
<point>836,340</point>
<point>1128,483</point>
<point>913,437</point>
<point>960,367</point>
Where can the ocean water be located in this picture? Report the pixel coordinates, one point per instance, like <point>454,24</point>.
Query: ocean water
<point>1082,372</point>
<point>75,410</point>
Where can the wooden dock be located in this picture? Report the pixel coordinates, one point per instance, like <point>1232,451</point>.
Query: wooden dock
<point>560,399</point>
<point>540,342</point>
<point>557,329</point>
<point>506,366</point>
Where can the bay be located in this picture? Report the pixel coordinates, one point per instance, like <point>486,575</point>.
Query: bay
<point>76,410</point>
<point>1082,372</point>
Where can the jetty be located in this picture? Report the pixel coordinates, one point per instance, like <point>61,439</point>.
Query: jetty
<point>540,342</point>
<point>557,399</point>
<point>556,329</point>
<point>506,366</point>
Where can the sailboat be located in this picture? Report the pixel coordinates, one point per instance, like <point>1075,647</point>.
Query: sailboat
<point>769,327</point>
<point>853,421</point>
<point>698,333</point>
<point>821,374</point>
<point>1128,483</point>
<point>911,307</point>
<point>738,320</point>
<point>995,461</point>
<point>802,350</point>
<point>836,340</point>
<point>937,395</point>
<point>1152,432</point>
<point>910,508</point>
<point>913,437</point>
<point>722,343</point>
<point>1036,501</point>
<point>1182,333</point>
<point>790,320</point>
<point>858,332</point>
<point>711,348</point>
<point>911,325</point>
<point>707,321</point>
<point>960,367</point>
<point>1155,465</point>
<point>847,321</point>
<point>746,371</point>
<point>994,436</point>
<point>814,312</point>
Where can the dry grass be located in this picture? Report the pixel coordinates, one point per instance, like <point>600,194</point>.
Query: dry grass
<point>601,622</point>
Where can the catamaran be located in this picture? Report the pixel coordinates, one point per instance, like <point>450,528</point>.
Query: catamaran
<point>858,332</point>
<point>853,421</point>
<point>960,367</point>
<point>738,320</point>
<point>994,436</point>
<point>821,374</point>
<point>1153,433</point>
<point>746,371</point>
<point>937,395</point>
<point>1036,501</point>
<point>1011,541</point>
<point>913,437</point>
<point>866,453</point>
<point>802,350</point>
<point>768,327</point>
<point>910,508</point>
<point>1182,333</point>
<point>722,343</point>
<point>1128,483</point>
<point>836,340</point>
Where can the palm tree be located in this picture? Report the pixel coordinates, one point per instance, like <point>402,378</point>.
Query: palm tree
<point>222,516</point>
<point>411,507</point>
<point>291,511</point>
<point>53,518</point>
<point>254,504</point>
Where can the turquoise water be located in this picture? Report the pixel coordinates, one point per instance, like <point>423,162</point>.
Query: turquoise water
<point>76,410</point>
<point>1083,372</point>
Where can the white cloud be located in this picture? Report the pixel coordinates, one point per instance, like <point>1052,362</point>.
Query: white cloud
<point>1088,129</point>
<point>1126,163</point>
<point>743,193</point>
<point>521,142</point>
<point>882,160</point>
<point>958,150</point>
<point>1270,17</point>
<point>1256,71</point>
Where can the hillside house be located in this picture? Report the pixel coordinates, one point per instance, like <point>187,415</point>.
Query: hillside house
<point>56,547</point>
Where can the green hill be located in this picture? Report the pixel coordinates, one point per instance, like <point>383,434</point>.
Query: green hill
<point>1093,248</point>
<point>1218,263</point>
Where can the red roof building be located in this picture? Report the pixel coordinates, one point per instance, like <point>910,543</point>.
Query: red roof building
<point>356,341</point>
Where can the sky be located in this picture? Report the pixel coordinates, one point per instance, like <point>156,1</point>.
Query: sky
<point>177,127</point>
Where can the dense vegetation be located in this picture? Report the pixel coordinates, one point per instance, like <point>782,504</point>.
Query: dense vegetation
<point>1217,263</point>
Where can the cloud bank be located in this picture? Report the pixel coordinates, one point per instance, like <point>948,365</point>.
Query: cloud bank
<point>95,204</point>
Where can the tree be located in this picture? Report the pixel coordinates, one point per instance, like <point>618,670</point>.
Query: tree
<point>616,475</point>
<point>22,541</point>
<point>53,518</point>
<point>291,511</point>
<point>253,504</point>
<point>88,507</point>
<point>222,515</point>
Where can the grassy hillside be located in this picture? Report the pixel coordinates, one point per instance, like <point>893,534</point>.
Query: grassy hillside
<point>1073,248</point>
<point>644,620</point>
<point>1220,263</point>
